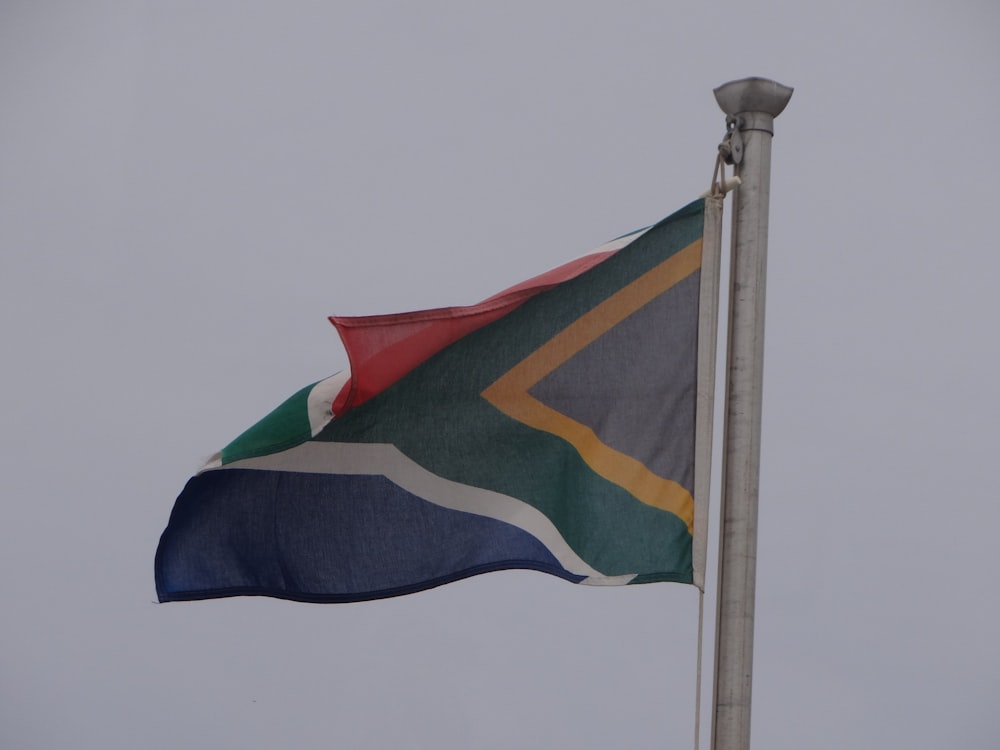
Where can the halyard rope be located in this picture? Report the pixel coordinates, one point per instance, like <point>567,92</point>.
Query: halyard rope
<point>697,681</point>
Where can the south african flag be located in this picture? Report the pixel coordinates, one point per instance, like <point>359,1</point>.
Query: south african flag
<point>551,427</point>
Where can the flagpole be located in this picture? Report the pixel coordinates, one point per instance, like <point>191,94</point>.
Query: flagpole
<point>751,104</point>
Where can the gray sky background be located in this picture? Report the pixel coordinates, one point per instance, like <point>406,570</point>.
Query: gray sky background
<point>187,189</point>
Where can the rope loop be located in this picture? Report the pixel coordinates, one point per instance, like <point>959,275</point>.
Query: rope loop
<point>730,152</point>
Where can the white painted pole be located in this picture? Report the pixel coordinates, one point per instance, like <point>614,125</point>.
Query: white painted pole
<point>751,105</point>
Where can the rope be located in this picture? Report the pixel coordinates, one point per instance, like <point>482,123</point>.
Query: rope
<point>697,682</point>
<point>720,185</point>
<point>718,180</point>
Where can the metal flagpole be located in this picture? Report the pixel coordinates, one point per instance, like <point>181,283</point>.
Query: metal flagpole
<point>750,105</point>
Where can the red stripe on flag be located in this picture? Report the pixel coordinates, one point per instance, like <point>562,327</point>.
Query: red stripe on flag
<point>382,349</point>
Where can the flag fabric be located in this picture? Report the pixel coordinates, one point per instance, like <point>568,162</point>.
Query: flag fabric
<point>551,427</point>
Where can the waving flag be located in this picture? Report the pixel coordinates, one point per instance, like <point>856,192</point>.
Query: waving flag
<point>552,427</point>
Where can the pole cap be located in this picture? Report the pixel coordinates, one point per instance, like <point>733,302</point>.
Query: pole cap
<point>753,95</point>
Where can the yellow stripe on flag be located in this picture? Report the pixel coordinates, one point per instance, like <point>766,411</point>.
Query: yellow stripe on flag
<point>510,394</point>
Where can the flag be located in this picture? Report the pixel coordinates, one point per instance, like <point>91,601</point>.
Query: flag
<point>552,427</point>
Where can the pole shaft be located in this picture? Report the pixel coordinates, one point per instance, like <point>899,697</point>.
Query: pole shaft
<point>755,102</point>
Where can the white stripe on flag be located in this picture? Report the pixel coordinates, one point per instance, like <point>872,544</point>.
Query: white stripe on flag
<point>320,401</point>
<point>382,459</point>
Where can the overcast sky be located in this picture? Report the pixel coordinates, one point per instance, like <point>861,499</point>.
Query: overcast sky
<point>188,189</point>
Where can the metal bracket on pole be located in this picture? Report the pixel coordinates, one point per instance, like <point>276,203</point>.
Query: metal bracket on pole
<point>731,147</point>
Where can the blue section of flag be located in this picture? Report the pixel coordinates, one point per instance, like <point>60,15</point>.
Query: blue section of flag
<point>308,537</point>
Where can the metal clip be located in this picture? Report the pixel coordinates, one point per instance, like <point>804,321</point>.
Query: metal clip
<point>731,147</point>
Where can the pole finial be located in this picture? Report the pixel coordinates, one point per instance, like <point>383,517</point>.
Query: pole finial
<point>753,95</point>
